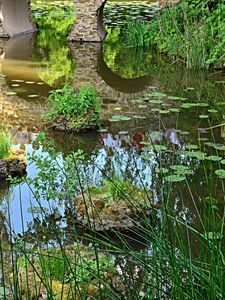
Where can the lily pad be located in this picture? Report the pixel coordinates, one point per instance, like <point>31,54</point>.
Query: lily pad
<point>175,178</point>
<point>10,93</point>
<point>155,109</point>
<point>157,94</point>
<point>174,110</point>
<point>123,132</point>
<point>156,101</point>
<point>32,96</point>
<point>29,82</point>
<point>191,147</point>
<point>175,98</point>
<point>162,170</point>
<point>213,111</point>
<point>220,173</point>
<point>214,158</point>
<point>203,116</point>
<point>164,111</point>
<point>219,147</point>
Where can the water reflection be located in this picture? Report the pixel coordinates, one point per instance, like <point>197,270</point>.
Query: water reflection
<point>121,75</point>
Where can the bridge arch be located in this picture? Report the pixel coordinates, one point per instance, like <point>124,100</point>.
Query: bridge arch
<point>16,19</point>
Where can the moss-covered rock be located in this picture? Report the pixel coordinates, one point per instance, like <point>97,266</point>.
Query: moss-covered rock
<point>13,165</point>
<point>101,211</point>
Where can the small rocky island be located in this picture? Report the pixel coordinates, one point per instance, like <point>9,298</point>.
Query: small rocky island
<point>13,165</point>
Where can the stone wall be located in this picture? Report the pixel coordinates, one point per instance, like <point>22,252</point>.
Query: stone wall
<point>89,24</point>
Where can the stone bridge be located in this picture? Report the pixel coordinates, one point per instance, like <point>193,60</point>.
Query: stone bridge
<point>16,19</point>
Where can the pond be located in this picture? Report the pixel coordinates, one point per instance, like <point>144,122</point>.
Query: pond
<point>163,125</point>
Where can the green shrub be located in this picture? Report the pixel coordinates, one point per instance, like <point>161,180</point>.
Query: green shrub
<point>192,31</point>
<point>75,109</point>
<point>5,142</point>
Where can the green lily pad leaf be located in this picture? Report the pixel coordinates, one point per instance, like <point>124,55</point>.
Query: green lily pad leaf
<point>157,94</point>
<point>213,235</point>
<point>17,80</point>
<point>155,109</point>
<point>222,162</point>
<point>162,170</point>
<point>187,105</point>
<point>156,147</point>
<point>213,111</point>
<point>114,120</point>
<point>156,101</point>
<point>142,106</point>
<point>10,93</point>
<point>202,104</point>
<point>196,154</point>
<point>136,101</point>
<point>32,96</point>
<point>123,132</point>
<point>209,144</point>
<point>175,178</point>
<point>123,118</point>
<point>164,111</point>
<point>203,116</point>
<point>139,117</point>
<point>174,110</point>
<point>220,173</point>
<point>179,167</point>
<point>191,147</point>
<point>214,158</point>
<point>219,147</point>
<point>175,98</point>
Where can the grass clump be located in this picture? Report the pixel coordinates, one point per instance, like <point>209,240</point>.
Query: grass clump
<point>192,31</point>
<point>75,110</point>
<point>64,273</point>
<point>5,142</point>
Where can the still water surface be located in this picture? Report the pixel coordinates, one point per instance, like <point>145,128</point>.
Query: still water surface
<point>128,81</point>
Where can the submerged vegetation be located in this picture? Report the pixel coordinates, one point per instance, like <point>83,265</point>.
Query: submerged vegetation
<point>74,110</point>
<point>192,31</point>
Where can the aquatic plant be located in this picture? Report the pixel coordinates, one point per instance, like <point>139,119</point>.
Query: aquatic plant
<point>5,141</point>
<point>74,110</point>
<point>192,31</point>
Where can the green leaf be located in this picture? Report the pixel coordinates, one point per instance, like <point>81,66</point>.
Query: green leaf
<point>175,178</point>
<point>220,173</point>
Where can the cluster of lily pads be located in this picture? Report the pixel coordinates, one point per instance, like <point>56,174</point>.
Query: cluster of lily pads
<point>17,86</point>
<point>52,9</point>
<point>160,103</point>
<point>118,13</point>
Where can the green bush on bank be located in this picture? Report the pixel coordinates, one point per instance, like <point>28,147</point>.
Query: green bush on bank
<point>192,31</point>
<point>5,142</point>
<point>75,110</point>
